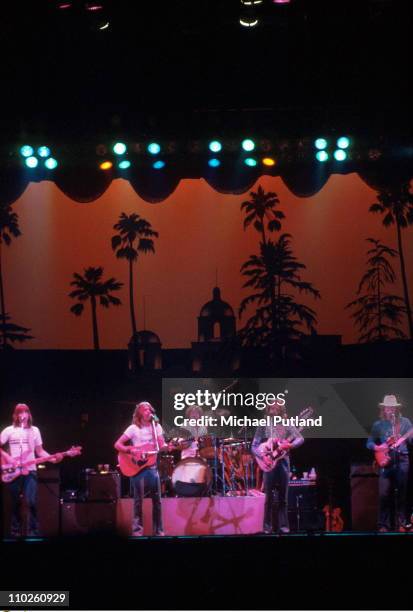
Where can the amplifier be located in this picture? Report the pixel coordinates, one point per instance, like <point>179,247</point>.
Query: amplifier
<point>303,507</point>
<point>102,486</point>
<point>364,498</point>
<point>88,517</point>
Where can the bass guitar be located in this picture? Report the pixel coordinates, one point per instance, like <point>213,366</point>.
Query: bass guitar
<point>11,472</point>
<point>271,448</point>
<point>383,457</point>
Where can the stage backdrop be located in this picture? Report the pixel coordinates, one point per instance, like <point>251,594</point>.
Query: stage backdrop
<point>201,243</point>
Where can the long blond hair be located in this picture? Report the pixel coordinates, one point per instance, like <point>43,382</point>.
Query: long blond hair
<point>137,414</point>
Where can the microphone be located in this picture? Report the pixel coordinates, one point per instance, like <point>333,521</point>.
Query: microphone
<point>155,418</point>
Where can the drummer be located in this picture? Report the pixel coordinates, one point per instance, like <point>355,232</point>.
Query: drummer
<point>194,412</point>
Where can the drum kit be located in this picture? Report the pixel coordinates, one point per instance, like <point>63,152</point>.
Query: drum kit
<point>216,465</point>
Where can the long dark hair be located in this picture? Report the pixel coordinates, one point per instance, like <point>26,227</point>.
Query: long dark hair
<point>18,409</point>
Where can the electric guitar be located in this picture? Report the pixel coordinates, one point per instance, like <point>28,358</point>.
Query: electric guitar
<point>383,457</point>
<point>271,448</point>
<point>11,472</point>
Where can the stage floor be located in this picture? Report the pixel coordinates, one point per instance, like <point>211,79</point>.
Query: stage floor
<point>296,571</point>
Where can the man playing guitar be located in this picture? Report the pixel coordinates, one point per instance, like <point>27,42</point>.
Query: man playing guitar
<point>24,443</point>
<point>285,438</point>
<point>142,441</point>
<point>388,438</point>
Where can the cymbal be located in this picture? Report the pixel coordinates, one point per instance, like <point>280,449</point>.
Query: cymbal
<point>230,441</point>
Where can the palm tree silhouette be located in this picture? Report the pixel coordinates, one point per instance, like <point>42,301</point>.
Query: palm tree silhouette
<point>91,287</point>
<point>260,211</point>
<point>9,227</point>
<point>396,204</point>
<point>378,314</point>
<point>134,237</point>
<point>278,319</point>
<point>11,332</point>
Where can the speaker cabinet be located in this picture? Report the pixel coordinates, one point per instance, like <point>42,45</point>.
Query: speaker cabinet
<point>364,498</point>
<point>88,517</point>
<point>102,487</point>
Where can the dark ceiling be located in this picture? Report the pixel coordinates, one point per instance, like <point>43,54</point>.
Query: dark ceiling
<point>188,64</point>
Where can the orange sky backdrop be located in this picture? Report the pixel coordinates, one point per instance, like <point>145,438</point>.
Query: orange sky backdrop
<point>200,230</point>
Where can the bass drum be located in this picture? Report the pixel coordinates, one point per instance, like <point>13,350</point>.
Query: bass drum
<point>192,477</point>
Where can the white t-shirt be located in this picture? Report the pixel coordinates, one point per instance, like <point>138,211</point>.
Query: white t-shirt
<point>21,442</point>
<point>143,435</point>
<point>192,450</point>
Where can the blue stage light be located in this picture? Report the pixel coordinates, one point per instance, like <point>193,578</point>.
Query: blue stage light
<point>215,146</point>
<point>119,148</point>
<point>343,142</point>
<point>320,144</point>
<point>26,150</point>
<point>124,164</point>
<point>340,155</point>
<point>248,144</point>
<point>322,156</point>
<point>31,162</point>
<point>158,164</point>
<point>214,162</point>
<point>51,163</point>
<point>154,148</point>
<point>43,151</point>
<point>250,161</point>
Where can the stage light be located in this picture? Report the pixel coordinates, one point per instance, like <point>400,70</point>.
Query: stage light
<point>154,148</point>
<point>250,161</point>
<point>248,144</point>
<point>248,22</point>
<point>43,151</point>
<point>343,142</point>
<point>158,164</point>
<point>106,165</point>
<point>31,162</point>
<point>93,6</point>
<point>251,2</point>
<point>215,146</point>
<point>214,162</point>
<point>281,1</point>
<point>104,26</point>
<point>124,164</point>
<point>320,144</point>
<point>50,163</point>
<point>26,150</point>
<point>268,161</point>
<point>322,156</point>
<point>119,148</point>
<point>340,155</point>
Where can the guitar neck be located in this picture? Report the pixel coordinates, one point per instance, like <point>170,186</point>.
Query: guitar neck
<point>403,438</point>
<point>38,460</point>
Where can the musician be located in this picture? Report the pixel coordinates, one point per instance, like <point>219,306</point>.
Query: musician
<point>279,477</point>
<point>393,477</point>
<point>196,431</point>
<point>144,431</point>
<point>24,443</point>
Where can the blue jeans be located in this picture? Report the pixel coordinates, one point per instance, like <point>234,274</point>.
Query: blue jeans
<point>277,480</point>
<point>392,478</point>
<point>26,485</point>
<point>147,481</point>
